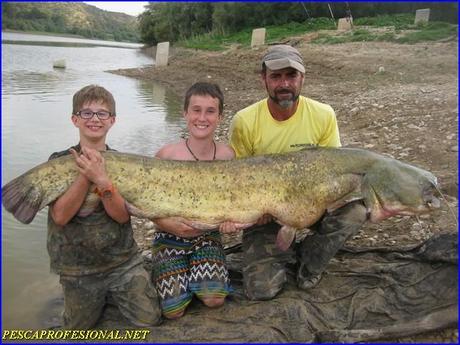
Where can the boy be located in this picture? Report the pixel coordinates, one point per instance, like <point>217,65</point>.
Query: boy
<point>186,261</point>
<point>91,243</point>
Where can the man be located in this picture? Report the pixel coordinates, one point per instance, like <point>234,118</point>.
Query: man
<point>285,122</point>
<point>90,238</point>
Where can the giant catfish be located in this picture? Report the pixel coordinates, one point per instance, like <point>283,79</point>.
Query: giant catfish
<point>295,188</point>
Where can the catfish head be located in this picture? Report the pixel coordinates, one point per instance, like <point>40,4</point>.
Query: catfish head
<point>391,188</point>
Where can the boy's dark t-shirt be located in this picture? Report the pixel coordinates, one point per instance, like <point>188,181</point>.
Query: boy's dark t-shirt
<point>92,242</point>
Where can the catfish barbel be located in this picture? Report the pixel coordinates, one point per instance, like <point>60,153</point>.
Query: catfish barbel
<point>295,188</point>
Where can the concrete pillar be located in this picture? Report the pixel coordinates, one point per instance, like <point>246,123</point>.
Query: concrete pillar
<point>345,24</point>
<point>422,16</point>
<point>161,57</point>
<point>258,37</point>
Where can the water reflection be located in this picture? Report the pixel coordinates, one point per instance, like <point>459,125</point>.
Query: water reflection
<point>154,94</point>
<point>158,95</point>
<point>31,83</point>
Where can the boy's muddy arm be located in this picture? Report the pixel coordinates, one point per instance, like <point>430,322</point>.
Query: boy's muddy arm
<point>92,165</point>
<point>67,206</point>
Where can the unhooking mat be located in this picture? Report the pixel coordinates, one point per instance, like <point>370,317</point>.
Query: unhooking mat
<point>365,295</point>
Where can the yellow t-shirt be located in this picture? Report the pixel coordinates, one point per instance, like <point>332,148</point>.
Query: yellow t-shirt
<point>254,131</point>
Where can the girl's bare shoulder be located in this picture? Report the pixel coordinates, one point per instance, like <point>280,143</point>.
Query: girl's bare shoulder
<point>171,151</point>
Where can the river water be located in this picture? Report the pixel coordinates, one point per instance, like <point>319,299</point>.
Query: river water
<point>36,108</point>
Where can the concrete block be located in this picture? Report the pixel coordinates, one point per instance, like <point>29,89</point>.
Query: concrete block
<point>162,55</point>
<point>345,24</point>
<point>258,37</point>
<point>422,15</point>
<point>59,64</point>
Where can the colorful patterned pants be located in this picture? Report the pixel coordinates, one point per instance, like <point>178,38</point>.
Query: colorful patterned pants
<point>183,267</point>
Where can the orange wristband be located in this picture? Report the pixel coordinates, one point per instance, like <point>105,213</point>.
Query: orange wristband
<point>105,193</point>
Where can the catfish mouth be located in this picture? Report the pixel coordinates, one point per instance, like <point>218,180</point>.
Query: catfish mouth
<point>431,201</point>
<point>383,209</point>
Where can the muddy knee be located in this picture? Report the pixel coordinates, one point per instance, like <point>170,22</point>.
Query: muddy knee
<point>138,299</point>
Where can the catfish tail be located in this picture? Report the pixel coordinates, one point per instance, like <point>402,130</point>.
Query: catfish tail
<point>21,199</point>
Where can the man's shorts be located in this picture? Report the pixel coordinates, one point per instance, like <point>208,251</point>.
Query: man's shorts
<point>186,266</point>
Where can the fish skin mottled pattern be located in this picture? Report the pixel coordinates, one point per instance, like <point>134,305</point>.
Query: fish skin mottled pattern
<point>239,190</point>
<point>296,187</point>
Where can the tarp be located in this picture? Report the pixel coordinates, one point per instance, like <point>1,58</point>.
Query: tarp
<point>366,294</point>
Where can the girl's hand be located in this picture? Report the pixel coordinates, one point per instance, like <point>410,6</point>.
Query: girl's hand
<point>229,228</point>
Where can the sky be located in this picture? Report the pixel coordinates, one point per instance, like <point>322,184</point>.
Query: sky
<point>133,8</point>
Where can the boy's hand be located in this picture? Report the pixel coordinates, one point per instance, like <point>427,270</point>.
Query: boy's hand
<point>91,164</point>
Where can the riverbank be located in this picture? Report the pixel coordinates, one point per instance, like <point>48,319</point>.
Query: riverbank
<point>43,33</point>
<point>399,100</point>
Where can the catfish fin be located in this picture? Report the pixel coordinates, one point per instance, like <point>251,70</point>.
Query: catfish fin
<point>21,200</point>
<point>243,226</point>
<point>285,237</point>
<point>200,225</point>
<point>350,197</point>
<point>89,205</point>
<point>208,226</point>
<point>137,212</point>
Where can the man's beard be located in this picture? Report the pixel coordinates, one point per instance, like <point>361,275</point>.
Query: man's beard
<point>285,103</point>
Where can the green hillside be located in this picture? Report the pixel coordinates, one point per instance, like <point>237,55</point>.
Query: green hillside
<point>69,18</point>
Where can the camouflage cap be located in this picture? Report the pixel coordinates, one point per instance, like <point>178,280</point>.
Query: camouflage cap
<point>283,56</point>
